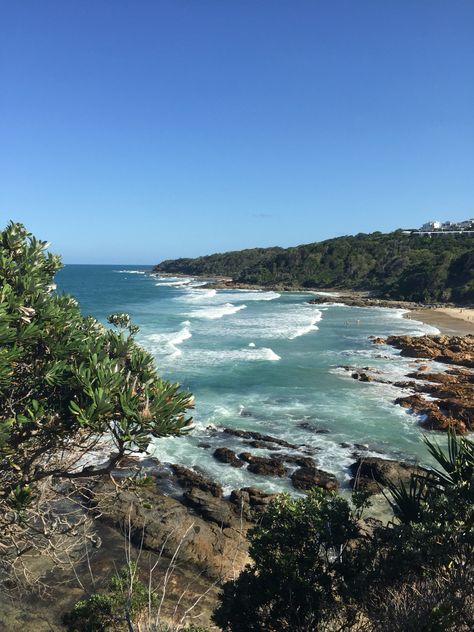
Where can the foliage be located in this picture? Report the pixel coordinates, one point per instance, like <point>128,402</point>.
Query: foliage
<point>315,567</point>
<point>119,606</point>
<point>299,552</point>
<point>394,265</point>
<point>68,385</point>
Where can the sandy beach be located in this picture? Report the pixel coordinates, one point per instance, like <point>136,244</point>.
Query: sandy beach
<point>449,320</point>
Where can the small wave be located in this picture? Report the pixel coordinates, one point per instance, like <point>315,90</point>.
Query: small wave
<point>306,329</point>
<point>167,343</point>
<point>130,271</point>
<point>194,295</point>
<point>224,356</point>
<point>326,293</point>
<point>174,283</point>
<point>212,313</point>
<point>254,295</point>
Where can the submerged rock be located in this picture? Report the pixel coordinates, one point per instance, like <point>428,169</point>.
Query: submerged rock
<point>248,434</point>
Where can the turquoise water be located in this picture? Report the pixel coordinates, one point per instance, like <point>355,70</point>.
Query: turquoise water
<point>262,361</point>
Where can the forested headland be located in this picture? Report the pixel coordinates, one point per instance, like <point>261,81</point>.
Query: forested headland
<point>394,266</point>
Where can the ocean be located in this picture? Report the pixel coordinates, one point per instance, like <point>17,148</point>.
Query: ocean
<point>263,361</point>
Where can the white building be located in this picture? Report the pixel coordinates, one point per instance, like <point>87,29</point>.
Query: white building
<point>431,226</point>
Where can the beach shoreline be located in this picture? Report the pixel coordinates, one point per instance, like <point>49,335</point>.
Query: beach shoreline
<point>452,320</point>
<point>457,321</point>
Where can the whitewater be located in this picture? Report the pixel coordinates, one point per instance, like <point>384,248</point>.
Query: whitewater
<point>262,361</point>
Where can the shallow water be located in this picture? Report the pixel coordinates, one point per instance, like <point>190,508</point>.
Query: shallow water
<point>262,361</point>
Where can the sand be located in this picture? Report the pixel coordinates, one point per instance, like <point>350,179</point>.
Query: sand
<point>449,320</point>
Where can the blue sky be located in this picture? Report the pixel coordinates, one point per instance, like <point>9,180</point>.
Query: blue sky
<point>133,131</point>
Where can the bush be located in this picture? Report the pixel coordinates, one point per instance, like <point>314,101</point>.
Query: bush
<point>317,567</point>
<point>67,385</point>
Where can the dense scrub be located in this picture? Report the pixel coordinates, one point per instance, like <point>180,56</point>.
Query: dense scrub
<point>398,266</point>
<point>317,566</point>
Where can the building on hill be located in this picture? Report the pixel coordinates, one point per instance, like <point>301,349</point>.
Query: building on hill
<point>446,228</point>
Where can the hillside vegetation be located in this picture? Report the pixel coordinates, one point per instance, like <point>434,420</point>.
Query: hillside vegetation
<point>394,265</point>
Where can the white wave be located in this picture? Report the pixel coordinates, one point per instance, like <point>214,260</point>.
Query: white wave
<point>130,271</point>
<point>174,283</point>
<point>206,357</point>
<point>254,295</point>
<point>167,343</point>
<point>306,329</point>
<point>212,313</point>
<point>287,321</point>
<point>326,293</point>
<point>195,295</point>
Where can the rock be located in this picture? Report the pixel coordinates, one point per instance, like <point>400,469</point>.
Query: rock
<point>262,445</point>
<point>225,455</point>
<point>210,538</point>
<point>212,509</point>
<point>371,473</point>
<point>306,425</point>
<point>250,502</point>
<point>296,459</point>
<point>308,477</point>
<point>377,340</point>
<point>247,434</point>
<point>449,349</point>
<point>189,478</point>
<point>268,466</point>
<point>362,377</point>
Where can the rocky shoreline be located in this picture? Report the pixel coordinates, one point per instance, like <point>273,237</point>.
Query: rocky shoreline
<point>443,399</point>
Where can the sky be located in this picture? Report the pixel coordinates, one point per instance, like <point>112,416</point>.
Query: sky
<point>132,131</point>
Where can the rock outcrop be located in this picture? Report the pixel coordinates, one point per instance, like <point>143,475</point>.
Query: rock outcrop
<point>305,478</point>
<point>372,473</point>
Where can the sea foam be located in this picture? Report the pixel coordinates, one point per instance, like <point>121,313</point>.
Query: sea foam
<point>167,343</point>
<point>217,311</point>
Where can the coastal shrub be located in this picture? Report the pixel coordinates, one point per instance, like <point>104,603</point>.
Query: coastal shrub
<point>115,609</point>
<point>70,388</point>
<point>317,566</point>
<point>299,553</point>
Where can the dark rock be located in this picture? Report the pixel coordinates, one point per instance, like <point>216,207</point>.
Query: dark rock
<point>189,478</point>
<point>262,445</point>
<point>225,455</point>
<point>211,508</point>
<point>266,466</point>
<point>296,459</point>
<point>250,502</point>
<point>371,473</point>
<point>247,434</point>
<point>308,477</point>
<point>306,425</point>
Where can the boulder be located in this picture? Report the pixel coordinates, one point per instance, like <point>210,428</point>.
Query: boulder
<point>308,477</point>
<point>225,455</point>
<point>266,466</point>
<point>189,478</point>
<point>372,473</point>
<point>250,502</point>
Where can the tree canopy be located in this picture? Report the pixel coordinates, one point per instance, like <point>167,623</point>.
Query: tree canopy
<point>394,265</point>
<point>69,386</point>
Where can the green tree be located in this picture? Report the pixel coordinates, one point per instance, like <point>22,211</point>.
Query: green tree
<point>68,386</point>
